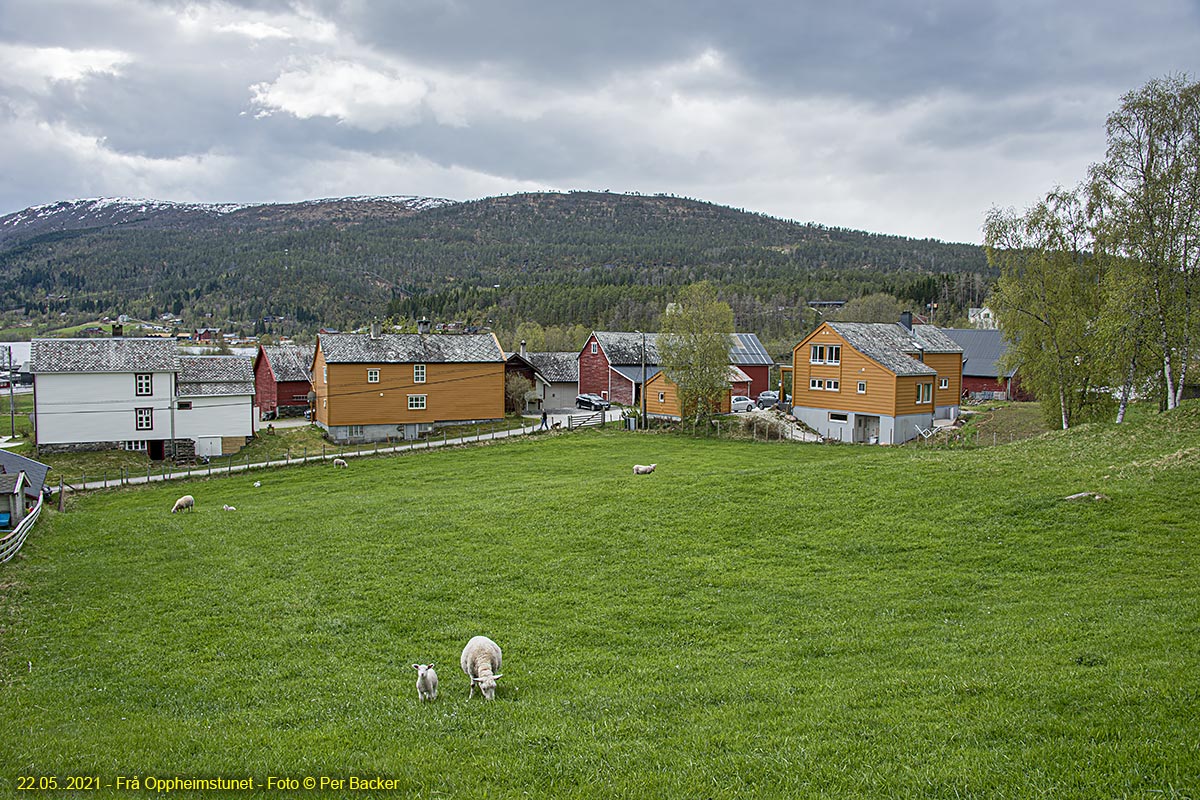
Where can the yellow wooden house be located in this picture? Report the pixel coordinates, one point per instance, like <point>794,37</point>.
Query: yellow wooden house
<point>662,394</point>
<point>875,383</point>
<point>382,387</point>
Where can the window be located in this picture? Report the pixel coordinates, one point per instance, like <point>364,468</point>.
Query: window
<point>944,383</point>
<point>184,405</point>
<point>143,419</point>
<point>137,446</point>
<point>833,385</point>
<point>372,376</point>
<point>300,398</point>
<point>418,373</point>
<point>817,354</point>
<point>355,430</point>
<point>924,393</point>
<point>833,354</point>
<point>325,374</point>
<point>595,348</point>
<point>416,402</point>
<point>143,384</point>
<point>816,384</point>
<point>862,387</point>
<point>662,397</point>
<point>836,416</point>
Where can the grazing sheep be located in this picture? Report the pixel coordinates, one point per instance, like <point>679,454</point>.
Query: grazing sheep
<point>340,462</point>
<point>186,502</point>
<point>426,681</point>
<point>480,659</point>
<point>257,484</point>
<point>642,469</point>
<point>228,508</point>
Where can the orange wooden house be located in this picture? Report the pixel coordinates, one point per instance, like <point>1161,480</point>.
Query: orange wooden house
<point>379,387</point>
<point>662,394</point>
<point>877,383</point>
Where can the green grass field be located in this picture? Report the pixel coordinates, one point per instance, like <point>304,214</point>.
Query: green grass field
<point>755,620</point>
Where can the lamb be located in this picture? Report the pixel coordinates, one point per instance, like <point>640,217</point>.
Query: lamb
<point>187,502</point>
<point>479,659</point>
<point>340,462</point>
<point>642,469</point>
<point>426,681</point>
<point>228,508</point>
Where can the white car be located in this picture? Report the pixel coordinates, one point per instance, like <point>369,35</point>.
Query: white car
<point>739,402</point>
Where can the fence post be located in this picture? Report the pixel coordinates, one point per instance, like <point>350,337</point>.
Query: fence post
<point>60,494</point>
<point>443,438</point>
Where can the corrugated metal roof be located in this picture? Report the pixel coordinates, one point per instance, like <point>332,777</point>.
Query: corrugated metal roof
<point>410,348</point>
<point>214,376</point>
<point>982,350</point>
<point>290,362</point>
<point>634,373</point>
<point>104,355</point>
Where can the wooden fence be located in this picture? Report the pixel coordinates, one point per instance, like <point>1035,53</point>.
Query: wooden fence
<point>12,541</point>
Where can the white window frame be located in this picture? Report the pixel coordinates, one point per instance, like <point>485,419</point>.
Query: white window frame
<point>839,416</point>
<point>143,419</point>
<point>143,384</point>
<point>833,385</point>
<point>662,397</point>
<point>373,375</point>
<point>944,383</point>
<point>355,430</point>
<point>419,372</point>
<point>418,402</point>
<point>862,387</point>
<point>325,374</point>
<point>833,354</point>
<point>816,354</point>
<point>924,393</point>
<point>595,348</point>
<point>135,445</point>
<point>816,385</point>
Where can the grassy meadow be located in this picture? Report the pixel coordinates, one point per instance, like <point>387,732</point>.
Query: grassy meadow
<point>753,620</point>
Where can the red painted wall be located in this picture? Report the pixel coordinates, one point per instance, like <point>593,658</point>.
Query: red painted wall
<point>593,369</point>
<point>265,396</point>
<point>759,379</point>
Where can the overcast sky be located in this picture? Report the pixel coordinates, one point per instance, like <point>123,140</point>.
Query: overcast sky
<point>898,117</point>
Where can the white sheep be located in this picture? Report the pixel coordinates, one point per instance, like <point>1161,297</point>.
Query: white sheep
<point>228,508</point>
<point>642,469</point>
<point>340,462</point>
<point>186,502</point>
<point>481,661</point>
<point>257,484</point>
<point>426,681</point>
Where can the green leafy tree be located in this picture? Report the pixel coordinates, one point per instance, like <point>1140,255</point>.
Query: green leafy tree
<point>533,335</point>
<point>877,307</point>
<point>1048,300</point>
<point>694,348</point>
<point>516,389</point>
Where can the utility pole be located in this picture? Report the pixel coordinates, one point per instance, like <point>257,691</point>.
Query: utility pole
<point>642,424</point>
<point>12,409</point>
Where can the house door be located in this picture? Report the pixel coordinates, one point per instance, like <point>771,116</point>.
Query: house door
<point>866,429</point>
<point>155,449</point>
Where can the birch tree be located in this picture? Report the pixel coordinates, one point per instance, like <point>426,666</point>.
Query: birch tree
<point>693,348</point>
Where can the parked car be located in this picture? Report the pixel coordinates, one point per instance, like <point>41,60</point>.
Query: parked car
<point>739,402</point>
<point>593,401</point>
<point>768,399</point>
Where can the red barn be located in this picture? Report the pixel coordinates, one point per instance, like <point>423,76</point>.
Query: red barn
<point>981,373</point>
<point>282,379</point>
<point>610,363</point>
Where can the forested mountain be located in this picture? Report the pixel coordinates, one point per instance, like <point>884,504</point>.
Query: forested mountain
<point>593,259</point>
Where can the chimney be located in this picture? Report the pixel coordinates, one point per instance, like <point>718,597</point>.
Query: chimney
<point>423,325</point>
<point>522,348</point>
<point>376,330</point>
<point>118,331</point>
<point>906,319</point>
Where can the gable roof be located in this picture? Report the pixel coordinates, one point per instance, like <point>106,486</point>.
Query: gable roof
<point>888,343</point>
<point>623,348</point>
<point>11,482</point>
<point>215,376</point>
<point>556,367</point>
<point>409,348</point>
<point>104,355</point>
<point>289,362</point>
<point>35,471</point>
<point>981,350</point>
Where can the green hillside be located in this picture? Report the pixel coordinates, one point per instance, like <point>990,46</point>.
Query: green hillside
<point>757,620</point>
<point>594,259</point>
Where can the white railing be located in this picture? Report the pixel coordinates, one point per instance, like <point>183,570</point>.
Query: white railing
<point>12,541</point>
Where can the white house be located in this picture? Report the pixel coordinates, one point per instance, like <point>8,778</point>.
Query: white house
<point>215,403</point>
<point>139,394</point>
<point>100,394</point>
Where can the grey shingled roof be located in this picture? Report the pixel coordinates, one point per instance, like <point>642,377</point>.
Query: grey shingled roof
<point>410,348</point>
<point>35,471</point>
<point>625,349</point>
<point>104,355</point>
<point>981,350</point>
<point>887,343</point>
<point>8,483</point>
<point>556,367</point>
<point>215,376</point>
<point>290,362</point>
